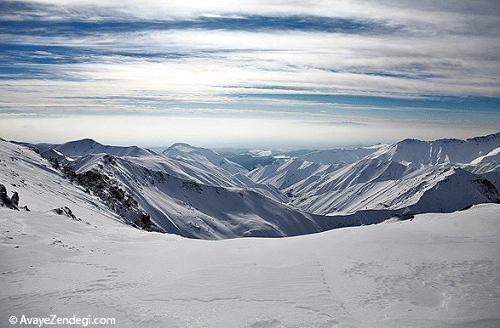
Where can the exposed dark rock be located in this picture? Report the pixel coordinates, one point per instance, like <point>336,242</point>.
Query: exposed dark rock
<point>486,186</point>
<point>109,160</point>
<point>191,185</point>
<point>15,198</point>
<point>65,211</point>
<point>146,219</point>
<point>465,208</point>
<point>112,193</point>
<point>55,163</point>
<point>6,200</point>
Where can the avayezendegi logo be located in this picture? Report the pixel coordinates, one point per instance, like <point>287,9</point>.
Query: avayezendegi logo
<point>55,320</point>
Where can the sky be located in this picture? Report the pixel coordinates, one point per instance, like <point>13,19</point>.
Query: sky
<point>261,74</point>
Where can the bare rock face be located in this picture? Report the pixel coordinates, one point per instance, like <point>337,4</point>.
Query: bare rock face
<point>6,200</point>
<point>15,199</point>
<point>112,193</point>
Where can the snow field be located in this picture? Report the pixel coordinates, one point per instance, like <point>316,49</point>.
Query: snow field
<point>439,270</point>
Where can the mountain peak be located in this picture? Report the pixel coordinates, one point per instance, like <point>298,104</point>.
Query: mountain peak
<point>181,144</point>
<point>440,151</point>
<point>198,154</point>
<point>181,147</point>
<point>410,141</point>
<point>486,138</point>
<point>83,143</point>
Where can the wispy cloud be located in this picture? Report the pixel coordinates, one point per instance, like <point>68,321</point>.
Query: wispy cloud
<point>352,60</point>
<point>255,23</point>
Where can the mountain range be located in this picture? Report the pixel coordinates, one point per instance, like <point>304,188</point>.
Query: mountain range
<point>197,193</point>
<point>411,176</point>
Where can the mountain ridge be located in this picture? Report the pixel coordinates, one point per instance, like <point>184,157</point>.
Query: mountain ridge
<point>197,193</point>
<point>382,176</point>
<point>88,146</point>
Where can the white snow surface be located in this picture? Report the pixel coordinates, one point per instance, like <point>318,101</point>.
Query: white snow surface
<point>436,270</point>
<point>492,156</point>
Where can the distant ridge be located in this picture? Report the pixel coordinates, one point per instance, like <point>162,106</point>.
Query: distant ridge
<point>339,156</point>
<point>441,151</point>
<point>87,146</point>
<point>188,152</point>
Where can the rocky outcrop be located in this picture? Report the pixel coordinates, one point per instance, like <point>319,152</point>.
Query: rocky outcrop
<point>66,211</point>
<point>6,201</point>
<point>114,195</point>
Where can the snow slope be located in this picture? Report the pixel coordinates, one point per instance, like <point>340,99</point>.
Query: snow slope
<point>41,187</point>
<point>192,209</point>
<point>190,198</point>
<point>339,156</point>
<point>409,176</point>
<point>203,155</point>
<point>487,163</point>
<point>437,270</point>
<point>286,172</point>
<point>442,188</point>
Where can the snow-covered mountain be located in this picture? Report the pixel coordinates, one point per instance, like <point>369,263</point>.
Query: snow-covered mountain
<point>409,176</point>
<point>189,193</point>
<point>250,159</point>
<point>71,258</point>
<point>197,193</point>
<point>435,189</point>
<point>339,156</point>
<point>42,189</point>
<point>203,156</point>
<point>487,163</point>
<point>85,147</point>
<point>286,172</point>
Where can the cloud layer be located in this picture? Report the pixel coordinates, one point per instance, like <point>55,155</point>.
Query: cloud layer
<point>359,61</point>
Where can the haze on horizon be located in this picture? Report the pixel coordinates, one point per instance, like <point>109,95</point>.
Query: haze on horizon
<point>275,74</point>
